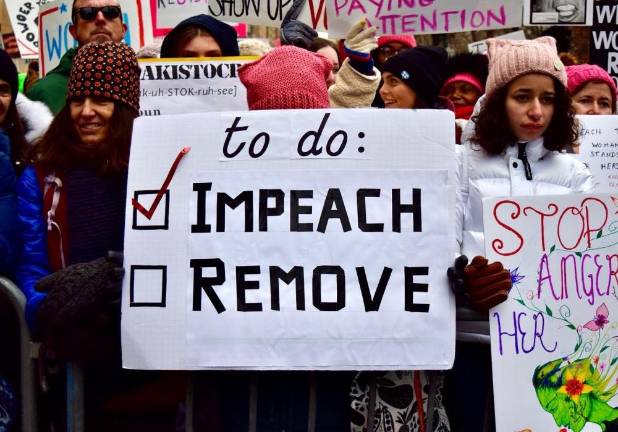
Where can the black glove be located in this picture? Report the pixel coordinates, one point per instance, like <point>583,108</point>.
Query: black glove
<point>456,279</point>
<point>80,316</point>
<point>294,32</point>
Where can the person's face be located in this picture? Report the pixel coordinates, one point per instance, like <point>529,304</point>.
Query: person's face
<point>99,29</point>
<point>203,45</point>
<point>395,93</point>
<point>530,104</point>
<point>388,50</point>
<point>594,98</point>
<point>91,118</point>
<point>330,54</point>
<point>5,99</point>
<point>461,93</point>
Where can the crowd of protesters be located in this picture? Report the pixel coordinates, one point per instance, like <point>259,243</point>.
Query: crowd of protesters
<point>64,173</point>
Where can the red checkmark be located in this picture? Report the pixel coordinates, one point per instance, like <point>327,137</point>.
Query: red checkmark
<point>148,213</point>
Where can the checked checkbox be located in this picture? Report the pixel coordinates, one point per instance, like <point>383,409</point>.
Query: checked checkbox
<point>148,286</point>
<point>159,220</point>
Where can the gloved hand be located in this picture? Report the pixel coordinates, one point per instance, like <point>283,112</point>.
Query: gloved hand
<point>80,316</point>
<point>294,32</point>
<point>486,285</point>
<point>358,44</point>
<point>456,278</point>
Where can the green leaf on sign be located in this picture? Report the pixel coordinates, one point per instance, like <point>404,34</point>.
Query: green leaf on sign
<point>571,326</point>
<point>520,301</point>
<point>548,311</point>
<point>553,248</point>
<point>579,254</point>
<point>604,348</point>
<point>600,233</point>
<point>614,360</point>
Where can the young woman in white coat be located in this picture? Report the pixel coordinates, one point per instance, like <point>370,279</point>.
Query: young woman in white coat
<point>515,147</point>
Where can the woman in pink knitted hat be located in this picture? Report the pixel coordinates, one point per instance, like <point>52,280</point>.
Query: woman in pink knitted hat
<point>516,149</point>
<point>592,90</point>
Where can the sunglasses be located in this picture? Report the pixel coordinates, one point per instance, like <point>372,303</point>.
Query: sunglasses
<point>90,13</point>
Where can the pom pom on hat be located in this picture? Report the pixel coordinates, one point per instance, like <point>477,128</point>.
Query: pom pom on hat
<point>407,40</point>
<point>423,69</point>
<point>287,77</point>
<point>106,70</point>
<point>510,59</point>
<point>580,75</point>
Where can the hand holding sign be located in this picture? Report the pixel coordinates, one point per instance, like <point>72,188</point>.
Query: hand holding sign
<point>487,284</point>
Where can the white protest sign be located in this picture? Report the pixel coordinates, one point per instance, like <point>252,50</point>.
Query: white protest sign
<point>173,86</point>
<point>423,16</point>
<point>56,40</point>
<point>299,239</point>
<point>598,149</point>
<point>166,14</point>
<point>480,47</point>
<point>554,342</point>
<point>558,12</point>
<point>23,15</point>
<point>268,12</point>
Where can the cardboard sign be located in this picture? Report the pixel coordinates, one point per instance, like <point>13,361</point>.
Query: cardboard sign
<point>480,47</point>
<point>268,12</point>
<point>558,12</point>
<point>174,86</point>
<point>291,239</point>
<point>55,20</point>
<point>423,16</point>
<point>598,149</point>
<point>166,14</point>
<point>23,15</point>
<point>604,37</point>
<point>554,341</point>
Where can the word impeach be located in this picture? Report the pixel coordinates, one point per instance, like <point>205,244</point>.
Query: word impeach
<point>424,16</point>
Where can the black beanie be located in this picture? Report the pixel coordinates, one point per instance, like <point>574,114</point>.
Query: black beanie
<point>224,34</point>
<point>8,73</point>
<point>423,69</point>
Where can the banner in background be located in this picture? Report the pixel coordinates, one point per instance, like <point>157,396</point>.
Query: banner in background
<point>23,15</point>
<point>554,342</point>
<point>423,17</point>
<point>56,40</point>
<point>171,86</point>
<point>598,149</point>
<point>290,240</point>
<point>166,14</point>
<point>604,37</point>
<point>558,12</point>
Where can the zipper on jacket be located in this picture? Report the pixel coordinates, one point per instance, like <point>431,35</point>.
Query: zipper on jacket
<point>522,156</point>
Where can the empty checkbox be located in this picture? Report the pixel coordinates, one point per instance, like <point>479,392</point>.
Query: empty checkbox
<point>148,285</point>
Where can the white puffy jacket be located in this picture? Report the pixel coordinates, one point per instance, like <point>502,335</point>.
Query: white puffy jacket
<point>482,176</point>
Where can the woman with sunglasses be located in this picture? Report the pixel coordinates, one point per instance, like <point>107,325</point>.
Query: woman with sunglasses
<point>93,21</point>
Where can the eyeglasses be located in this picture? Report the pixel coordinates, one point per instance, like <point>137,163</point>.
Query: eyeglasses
<point>90,13</point>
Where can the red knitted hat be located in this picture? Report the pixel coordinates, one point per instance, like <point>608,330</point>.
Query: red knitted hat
<point>287,77</point>
<point>107,70</point>
<point>580,75</point>
<point>467,78</point>
<point>407,40</point>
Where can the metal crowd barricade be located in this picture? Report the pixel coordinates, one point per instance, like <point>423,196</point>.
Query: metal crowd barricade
<point>28,352</point>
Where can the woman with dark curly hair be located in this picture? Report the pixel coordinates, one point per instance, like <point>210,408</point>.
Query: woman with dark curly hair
<point>524,125</point>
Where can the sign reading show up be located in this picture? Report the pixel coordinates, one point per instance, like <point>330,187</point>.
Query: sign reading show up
<point>298,239</point>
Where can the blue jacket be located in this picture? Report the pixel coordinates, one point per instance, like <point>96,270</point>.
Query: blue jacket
<point>7,207</point>
<point>33,262</point>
